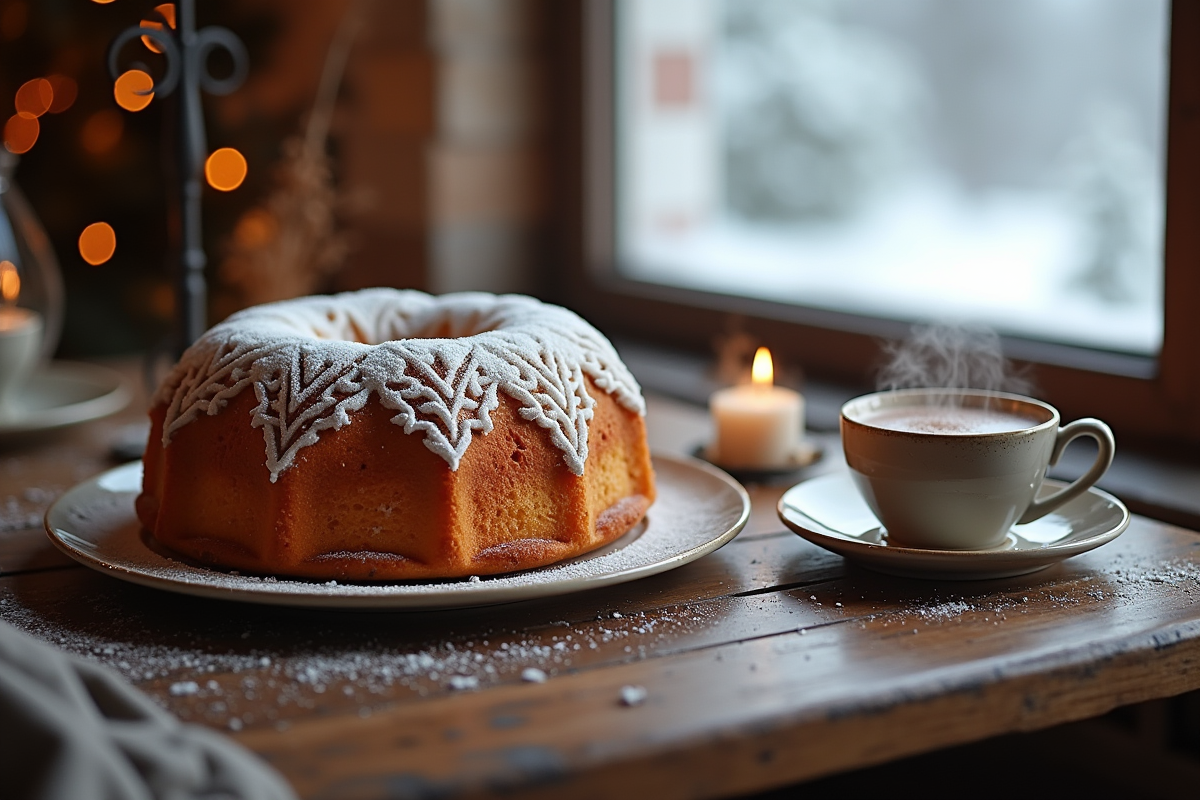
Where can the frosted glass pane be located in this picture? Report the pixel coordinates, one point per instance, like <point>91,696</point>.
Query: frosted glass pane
<point>999,163</point>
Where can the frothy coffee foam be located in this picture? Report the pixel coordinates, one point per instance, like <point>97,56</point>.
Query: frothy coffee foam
<point>948,420</point>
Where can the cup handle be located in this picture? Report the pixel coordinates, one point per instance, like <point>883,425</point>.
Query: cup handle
<point>1067,434</point>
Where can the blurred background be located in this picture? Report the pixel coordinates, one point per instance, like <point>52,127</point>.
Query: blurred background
<point>911,160</point>
<point>914,159</point>
<point>430,176</point>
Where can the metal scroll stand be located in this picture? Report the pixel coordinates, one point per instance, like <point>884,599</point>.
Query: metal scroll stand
<point>187,51</point>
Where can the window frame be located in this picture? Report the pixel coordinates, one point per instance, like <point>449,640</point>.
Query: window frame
<point>1142,398</point>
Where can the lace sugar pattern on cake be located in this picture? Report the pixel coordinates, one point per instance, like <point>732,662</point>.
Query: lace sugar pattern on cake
<point>439,362</point>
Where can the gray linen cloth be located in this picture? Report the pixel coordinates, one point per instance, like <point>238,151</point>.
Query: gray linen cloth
<point>73,730</point>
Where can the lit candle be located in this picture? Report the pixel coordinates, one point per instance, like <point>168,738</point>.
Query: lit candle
<point>760,425</point>
<point>20,338</point>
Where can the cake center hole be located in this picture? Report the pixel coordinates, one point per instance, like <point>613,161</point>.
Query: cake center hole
<point>444,329</point>
<point>439,326</point>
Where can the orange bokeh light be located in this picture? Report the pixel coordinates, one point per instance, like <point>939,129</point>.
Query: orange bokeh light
<point>256,227</point>
<point>151,45</point>
<point>225,169</point>
<point>134,90</point>
<point>13,20</point>
<point>161,301</point>
<point>102,2</point>
<point>20,133</point>
<point>97,243</point>
<point>34,98</point>
<point>102,131</point>
<point>167,12</point>
<point>65,91</point>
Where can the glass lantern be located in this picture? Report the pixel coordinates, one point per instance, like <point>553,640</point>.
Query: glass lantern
<point>25,253</point>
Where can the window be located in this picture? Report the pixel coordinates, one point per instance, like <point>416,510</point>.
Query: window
<point>998,162</point>
<point>1107,323</point>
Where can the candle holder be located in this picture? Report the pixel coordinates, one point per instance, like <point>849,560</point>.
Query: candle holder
<point>806,454</point>
<point>31,291</point>
<point>759,427</point>
<point>24,244</point>
<point>187,51</point>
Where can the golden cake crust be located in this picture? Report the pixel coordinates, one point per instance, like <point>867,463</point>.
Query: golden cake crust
<point>367,500</point>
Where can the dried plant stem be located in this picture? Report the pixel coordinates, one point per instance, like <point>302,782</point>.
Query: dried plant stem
<point>291,243</point>
<point>317,132</point>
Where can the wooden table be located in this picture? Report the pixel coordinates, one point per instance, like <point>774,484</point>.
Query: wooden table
<point>768,662</point>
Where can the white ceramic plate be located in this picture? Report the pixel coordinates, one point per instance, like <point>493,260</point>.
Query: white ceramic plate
<point>698,509</point>
<point>63,393</point>
<point>829,512</point>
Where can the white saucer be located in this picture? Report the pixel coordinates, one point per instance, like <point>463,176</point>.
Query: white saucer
<point>65,393</point>
<point>698,509</point>
<point>829,512</point>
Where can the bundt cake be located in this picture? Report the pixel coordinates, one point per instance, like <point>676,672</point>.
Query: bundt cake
<point>386,434</point>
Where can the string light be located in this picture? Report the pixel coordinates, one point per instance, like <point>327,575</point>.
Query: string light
<point>133,90</point>
<point>97,243</point>
<point>13,20</point>
<point>167,12</point>
<point>34,98</point>
<point>65,91</point>
<point>161,301</point>
<point>20,133</point>
<point>225,169</point>
<point>102,131</point>
<point>256,227</point>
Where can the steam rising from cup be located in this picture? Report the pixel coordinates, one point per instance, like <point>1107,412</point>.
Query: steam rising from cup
<point>950,356</point>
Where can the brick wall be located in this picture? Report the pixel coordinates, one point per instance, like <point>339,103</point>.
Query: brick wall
<point>444,129</point>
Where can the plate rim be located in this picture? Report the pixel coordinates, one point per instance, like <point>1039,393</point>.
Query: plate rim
<point>954,562</point>
<point>118,396</point>
<point>391,600</point>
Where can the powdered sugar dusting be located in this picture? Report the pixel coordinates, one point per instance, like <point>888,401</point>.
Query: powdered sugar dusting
<point>25,511</point>
<point>246,668</point>
<point>1176,572</point>
<point>201,675</point>
<point>439,362</point>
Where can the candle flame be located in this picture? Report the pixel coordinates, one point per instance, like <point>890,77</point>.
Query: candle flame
<point>10,282</point>
<point>762,372</point>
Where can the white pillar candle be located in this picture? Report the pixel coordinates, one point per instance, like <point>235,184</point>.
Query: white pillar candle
<point>759,425</point>
<point>20,339</point>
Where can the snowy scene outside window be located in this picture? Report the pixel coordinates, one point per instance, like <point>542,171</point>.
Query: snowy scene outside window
<point>997,163</point>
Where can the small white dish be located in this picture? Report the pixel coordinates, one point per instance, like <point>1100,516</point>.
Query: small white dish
<point>64,393</point>
<point>698,509</point>
<point>829,512</point>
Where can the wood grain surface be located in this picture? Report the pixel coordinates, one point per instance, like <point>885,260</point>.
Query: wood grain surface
<point>767,662</point>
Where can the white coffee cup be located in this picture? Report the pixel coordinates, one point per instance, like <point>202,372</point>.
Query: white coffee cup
<point>956,469</point>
